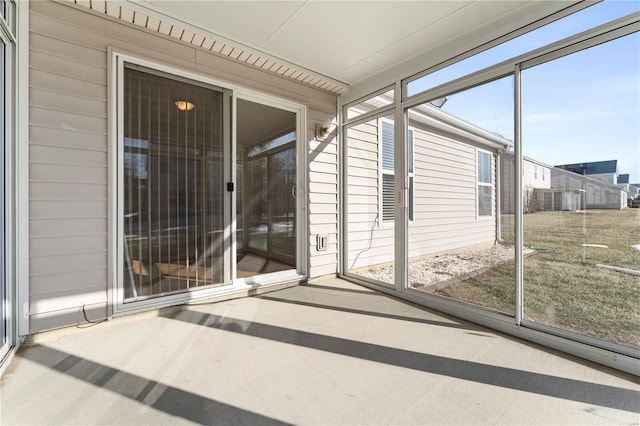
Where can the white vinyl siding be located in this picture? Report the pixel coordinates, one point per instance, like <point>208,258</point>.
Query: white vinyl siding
<point>485,183</point>
<point>445,203</point>
<point>69,153</point>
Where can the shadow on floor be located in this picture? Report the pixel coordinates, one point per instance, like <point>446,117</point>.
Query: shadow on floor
<point>543,384</point>
<point>167,399</point>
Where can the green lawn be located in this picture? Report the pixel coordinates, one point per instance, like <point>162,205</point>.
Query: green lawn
<point>562,286</point>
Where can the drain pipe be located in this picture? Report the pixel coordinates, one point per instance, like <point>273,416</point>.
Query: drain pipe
<point>498,159</point>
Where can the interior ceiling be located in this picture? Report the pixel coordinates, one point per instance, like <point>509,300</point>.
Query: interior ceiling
<point>346,40</point>
<point>260,122</point>
<point>331,45</point>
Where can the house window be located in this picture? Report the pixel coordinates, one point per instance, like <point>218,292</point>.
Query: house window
<point>485,183</point>
<point>386,190</point>
<point>535,171</point>
<point>543,174</point>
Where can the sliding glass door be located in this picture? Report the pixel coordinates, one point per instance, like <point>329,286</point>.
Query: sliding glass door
<point>175,207</point>
<point>199,209</point>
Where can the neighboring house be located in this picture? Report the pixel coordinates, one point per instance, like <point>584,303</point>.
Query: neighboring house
<point>595,194</point>
<point>563,188</point>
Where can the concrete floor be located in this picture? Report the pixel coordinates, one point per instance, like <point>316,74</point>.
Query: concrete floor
<point>329,353</point>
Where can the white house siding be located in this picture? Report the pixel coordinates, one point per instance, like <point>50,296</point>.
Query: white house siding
<point>445,218</point>
<point>69,184</point>
<point>445,198</point>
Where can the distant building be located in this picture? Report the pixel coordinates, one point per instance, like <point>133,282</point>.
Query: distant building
<point>578,186</point>
<point>605,171</point>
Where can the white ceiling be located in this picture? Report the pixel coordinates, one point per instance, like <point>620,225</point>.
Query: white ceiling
<point>349,40</point>
<point>332,45</point>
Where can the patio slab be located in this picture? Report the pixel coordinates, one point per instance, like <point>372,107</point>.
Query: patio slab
<point>330,352</point>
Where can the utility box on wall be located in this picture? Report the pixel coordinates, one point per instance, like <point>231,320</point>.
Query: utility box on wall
<point>322,242</point>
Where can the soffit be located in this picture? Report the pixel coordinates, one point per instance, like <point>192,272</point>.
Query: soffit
<point>329,45</point>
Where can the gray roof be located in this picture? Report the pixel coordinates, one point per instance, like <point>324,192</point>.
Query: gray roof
<point>623,178</point>
<point>592,168</point>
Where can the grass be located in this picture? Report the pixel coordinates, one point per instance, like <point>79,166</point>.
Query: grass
<point>562,286</point>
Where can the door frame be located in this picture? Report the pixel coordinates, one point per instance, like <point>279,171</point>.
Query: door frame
<point>302,249</point>
<point>116,304</point>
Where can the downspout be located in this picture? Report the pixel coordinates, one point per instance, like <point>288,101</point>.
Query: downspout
<point>498,159</point>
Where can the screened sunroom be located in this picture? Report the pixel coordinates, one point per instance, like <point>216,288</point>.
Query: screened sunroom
<point>162,154</point>
<point>433,164</point>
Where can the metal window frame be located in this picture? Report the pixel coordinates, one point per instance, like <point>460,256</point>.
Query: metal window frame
<point>603,352</point>
<point>13,220</point>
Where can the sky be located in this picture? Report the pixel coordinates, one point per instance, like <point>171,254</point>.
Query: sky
<point>580,108</point>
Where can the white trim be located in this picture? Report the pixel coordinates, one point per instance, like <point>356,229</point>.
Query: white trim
<point>116,171</point>
<point>22,168</point>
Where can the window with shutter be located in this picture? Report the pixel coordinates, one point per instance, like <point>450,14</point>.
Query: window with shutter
<point>386,189</point>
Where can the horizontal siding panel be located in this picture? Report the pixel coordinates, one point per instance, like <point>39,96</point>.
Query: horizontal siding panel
<point>61,173</point>
<point>67,245</point>
<point>319,271</point>
<point>323,178</point>
<point>361,190</point>
<point>67,263</point>
<point>55,155</point>
<point>66,282</point>
<point>323,168</point>
<point>432,152</point>
<point>65,120</point>
<point>67,103</point>
<point>369,259</point>
<point>460,234</point>
<point>365,164</point>
<point>369,182</point>
<point>323,209</point>
<point>67,209</point>
<point>331,198</point>
<point>40,191</point>
<point>329,147</point>
<point>324,259</point>
<point>323,188</point>
<point>58,301</point>
<point>323,228</point>
<point>369,243</point>
<point>69,68</point>
<point>324,157</point>
<point>64,49</point>
<point>60,23</point>
<point>49,320</point>
<point>67,227</point>
<point>363,154</point>
<point>434,246</point>
<point>363,208</point>
<point>61,84</point>
<point>363,199</point>
<point>361,172</point>
<point>315,219</point>
<point>63,138</point>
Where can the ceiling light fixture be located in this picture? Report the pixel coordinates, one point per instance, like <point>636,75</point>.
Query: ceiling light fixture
<point>184,105</point>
